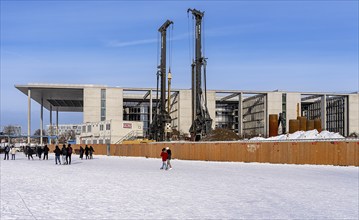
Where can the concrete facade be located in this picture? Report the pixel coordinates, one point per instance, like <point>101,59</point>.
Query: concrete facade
<point>184,111</point>
<point>353,113</point>
<point>250,109</point>
<point>292,101</point>
<point>274,106</point>
<point>92,104</point>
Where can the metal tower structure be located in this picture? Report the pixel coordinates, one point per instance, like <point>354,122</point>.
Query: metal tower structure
<point>161,124</point>
<point>201,120</point>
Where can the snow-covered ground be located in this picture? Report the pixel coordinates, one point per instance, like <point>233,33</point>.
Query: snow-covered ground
<point>135,188</point>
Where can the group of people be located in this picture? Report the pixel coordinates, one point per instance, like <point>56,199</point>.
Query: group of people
<point>166,155</point>
<point>8,150</point>
<point>38,151</point>
<point>28,152</point>
<point>66,153</point>
<point>88,152</point>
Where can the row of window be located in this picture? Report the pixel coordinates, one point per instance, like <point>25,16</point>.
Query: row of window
<point>96,141</point>
<point>89,128</point>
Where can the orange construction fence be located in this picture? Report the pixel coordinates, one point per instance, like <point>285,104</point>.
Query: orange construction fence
<point>344,153</point>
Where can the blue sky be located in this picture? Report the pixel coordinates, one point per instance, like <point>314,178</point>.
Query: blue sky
<point>250,45</point>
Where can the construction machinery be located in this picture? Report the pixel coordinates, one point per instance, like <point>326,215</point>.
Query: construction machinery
<point>161,124</point>
<point>201,120</point>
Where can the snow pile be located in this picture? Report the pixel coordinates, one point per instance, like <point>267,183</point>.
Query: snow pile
<point>302,135</point>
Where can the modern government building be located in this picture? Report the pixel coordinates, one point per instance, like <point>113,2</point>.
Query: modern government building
<point>112,114</point>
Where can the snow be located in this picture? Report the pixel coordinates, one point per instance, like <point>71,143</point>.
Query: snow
<point>135,188</point>
<point>300,135</point>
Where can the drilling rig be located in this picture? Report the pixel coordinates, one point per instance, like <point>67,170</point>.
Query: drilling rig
<point>161,124</point>
<point>201,120</point>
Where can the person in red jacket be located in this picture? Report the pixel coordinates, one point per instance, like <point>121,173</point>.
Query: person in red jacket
<point>164,156</point>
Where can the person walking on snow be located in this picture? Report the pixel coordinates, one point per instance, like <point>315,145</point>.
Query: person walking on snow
<point>13,152</point>
<point>164,156</point>
<point>46,152</point>
<point>57,152</point>
<point>169,157</point>
<point>81,152</point>
<point>64,153</point>
<point>39,152</point>
<point>91,152</point>
<point>69,152</point>
<point>30,152</point>
<point>7,150</point>
<point>87,152</point>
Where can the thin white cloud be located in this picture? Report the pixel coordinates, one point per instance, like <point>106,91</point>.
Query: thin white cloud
<point>116,43</point>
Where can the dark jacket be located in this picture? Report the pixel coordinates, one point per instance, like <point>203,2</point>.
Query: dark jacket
<point>81,150</point>
<point>169,154</point>
<point>87,150</point>
<point>46,149</point>
<point>64,151</point>
<point>57,151</point>
<point>69,150</point>
<point>30,151</point>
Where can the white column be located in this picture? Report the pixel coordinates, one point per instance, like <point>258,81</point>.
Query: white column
<point>28,115</point>
<point>57,121</point>
<point>50,119</point>
<point>50,128</point>
<point>345,121</point>
<point>323,112</point>
<point>266,116</point>
<point>151,106</point>
<point>240,114</point>
<point>41,119</point>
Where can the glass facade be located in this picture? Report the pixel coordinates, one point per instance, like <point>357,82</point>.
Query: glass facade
<point>132,111</point>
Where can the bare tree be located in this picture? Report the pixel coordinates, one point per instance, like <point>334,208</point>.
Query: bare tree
<point>12,130</point>
<point>68,135</point>
<point>38,132</point>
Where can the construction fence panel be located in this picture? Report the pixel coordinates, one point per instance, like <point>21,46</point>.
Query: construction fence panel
<point>343,153</point>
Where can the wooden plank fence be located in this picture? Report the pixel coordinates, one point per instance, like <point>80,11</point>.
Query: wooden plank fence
<point>344,153</point>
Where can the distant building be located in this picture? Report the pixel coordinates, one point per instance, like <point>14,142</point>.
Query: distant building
<point>63,128</point>
<point>111,114</point>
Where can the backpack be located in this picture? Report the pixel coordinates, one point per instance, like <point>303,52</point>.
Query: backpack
<point>70,150</point>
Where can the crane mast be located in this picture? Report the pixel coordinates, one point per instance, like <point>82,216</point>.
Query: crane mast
<point>162,119</point>
<point>201,120</point>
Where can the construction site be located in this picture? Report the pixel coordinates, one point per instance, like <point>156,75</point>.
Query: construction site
<point>231,125</point>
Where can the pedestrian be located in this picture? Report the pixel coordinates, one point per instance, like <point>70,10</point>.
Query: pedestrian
<point>13,152</point>
<point>64,153</point>
<point>164,156</point>
<point>91,152</point>
<point>169,157</point>
<point>46,152</point>
<point>57,152</point>
<point>87,152</point>
<point>39,152</point>
<point>81,152</point>
<point>30,152</point>
<point>26,150</point>
<point>6,151</point>
<point>69,152</point>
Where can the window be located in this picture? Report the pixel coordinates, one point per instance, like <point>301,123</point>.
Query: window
<point>101,127</point>
<point>83,129</point>
<point>103,104</point>
<point>88,128</point>
<point>108,126</point>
